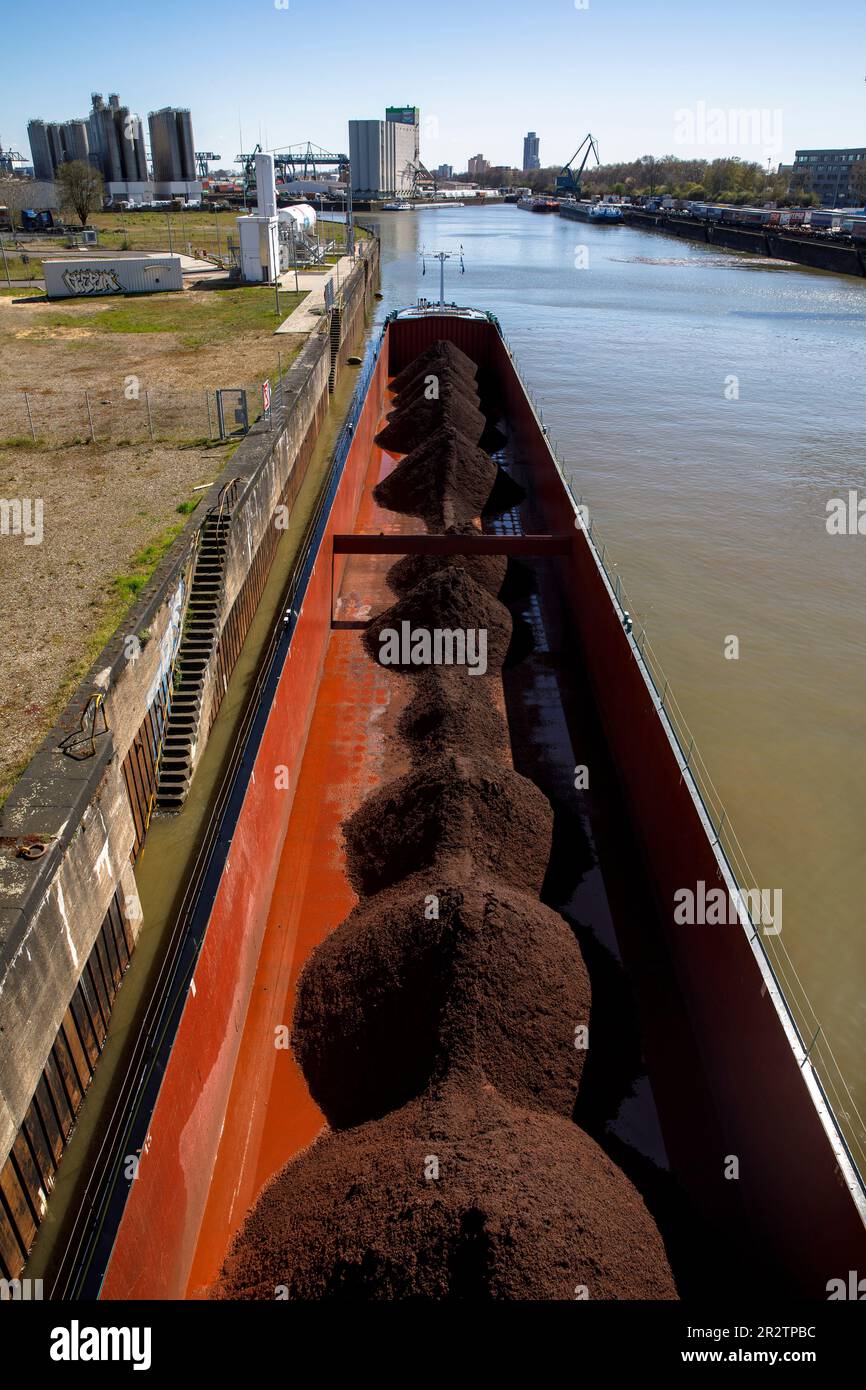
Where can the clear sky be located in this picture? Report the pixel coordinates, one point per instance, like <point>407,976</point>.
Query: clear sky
<point>645,76</point>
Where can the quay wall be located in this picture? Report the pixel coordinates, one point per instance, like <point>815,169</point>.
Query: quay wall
<point>76,820</point>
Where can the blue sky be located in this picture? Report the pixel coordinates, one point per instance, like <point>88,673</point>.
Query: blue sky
<point>662,76</point>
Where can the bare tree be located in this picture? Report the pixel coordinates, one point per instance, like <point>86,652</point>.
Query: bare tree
<point>80,188</point>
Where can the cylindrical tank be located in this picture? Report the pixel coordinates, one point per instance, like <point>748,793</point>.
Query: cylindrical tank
<point>303,216</point>
<point>266,192</point>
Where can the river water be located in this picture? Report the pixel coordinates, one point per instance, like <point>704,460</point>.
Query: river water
<point>709,405</point>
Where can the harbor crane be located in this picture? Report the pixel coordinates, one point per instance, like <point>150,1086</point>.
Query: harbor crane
<point>567,181</point>
<point>291,162</point>
<point>419,176</point>
<point>203,158</point>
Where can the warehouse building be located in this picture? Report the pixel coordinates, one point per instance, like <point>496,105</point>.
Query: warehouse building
<point>382,157</point>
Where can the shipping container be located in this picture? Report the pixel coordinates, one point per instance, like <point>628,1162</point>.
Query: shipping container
<point>84,276</point>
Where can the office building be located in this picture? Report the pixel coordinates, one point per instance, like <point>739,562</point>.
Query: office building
<point>477,165</point>
<point>828,173</point>
<point>531,156</point>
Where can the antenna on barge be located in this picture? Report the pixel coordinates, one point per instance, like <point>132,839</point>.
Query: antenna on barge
<point>441,257</point>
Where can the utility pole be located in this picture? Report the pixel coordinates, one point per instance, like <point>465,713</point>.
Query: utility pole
<point>350,223</point>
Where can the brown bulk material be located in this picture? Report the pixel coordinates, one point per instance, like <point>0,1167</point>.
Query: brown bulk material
<point>451,712</point>
<point>462,1196</point>
<point>445,481</point>
<point>439,356</point>
<point>457,817</point>
<point>449,601</point>
<point>419,979</point>
<point>408,428</point>
<point>432,384</point>
<point>486,570</point>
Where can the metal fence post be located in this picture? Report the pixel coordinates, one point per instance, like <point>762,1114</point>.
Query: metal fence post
<point>90,418</point>
<point>209,424</point>
<point>29,418</point>
<point>149,416</point>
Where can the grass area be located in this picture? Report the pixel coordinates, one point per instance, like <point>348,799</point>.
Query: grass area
<point>16,268</point>
<point>202,232</point>
<point>127,587</point>
<point>199,319</point>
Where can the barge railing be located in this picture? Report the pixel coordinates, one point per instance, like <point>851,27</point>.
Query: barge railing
<point>817,1052</point>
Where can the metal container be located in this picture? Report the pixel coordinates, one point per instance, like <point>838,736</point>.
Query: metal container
<point>87,276</point>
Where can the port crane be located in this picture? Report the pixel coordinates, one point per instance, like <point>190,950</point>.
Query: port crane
<point>419,176</point>
<point>567,181</point>
<point>203,158</point>
<point>302,161</point>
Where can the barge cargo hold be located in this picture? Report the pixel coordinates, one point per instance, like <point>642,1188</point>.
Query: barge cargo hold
<point>694,1058</point>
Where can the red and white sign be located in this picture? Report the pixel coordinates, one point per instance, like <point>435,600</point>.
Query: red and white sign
<point>266,395</point>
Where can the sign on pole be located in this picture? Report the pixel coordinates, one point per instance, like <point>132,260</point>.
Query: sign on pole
<point>266,397</point>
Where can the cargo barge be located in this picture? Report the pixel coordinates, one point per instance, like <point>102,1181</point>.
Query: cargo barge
<point>538,204</point>
<point>600,214</point>
<point>646,1078</point>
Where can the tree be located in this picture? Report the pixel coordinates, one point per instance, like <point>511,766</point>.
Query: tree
<point>80,188</point>
<point>649,165</point>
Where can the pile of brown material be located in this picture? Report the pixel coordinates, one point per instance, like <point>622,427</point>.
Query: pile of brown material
<point>487,570</point>
<point>451,712</point>
<point>480,975</point>
<point>440,356</point>
<point>455,817</point>
<point>458,1195</point>
<point>445,481</point>
<point>431,385</point>
<point>436,1025</point>
<point>449,601</point>
<point>411,426</point>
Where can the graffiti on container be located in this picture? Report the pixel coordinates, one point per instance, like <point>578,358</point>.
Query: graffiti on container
<point>88,280</point>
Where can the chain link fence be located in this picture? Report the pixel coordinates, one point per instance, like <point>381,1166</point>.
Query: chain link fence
<point>50,419</point>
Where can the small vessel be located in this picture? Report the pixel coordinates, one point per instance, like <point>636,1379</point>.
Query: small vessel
<point>396,207</point>
<point>538,204</point>
<point>582,210</point>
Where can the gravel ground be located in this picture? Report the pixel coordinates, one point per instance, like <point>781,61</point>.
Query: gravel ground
<point>36,356</point>
<point>58,601</point>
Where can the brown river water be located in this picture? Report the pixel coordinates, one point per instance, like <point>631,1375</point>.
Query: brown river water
<point>709,406</point>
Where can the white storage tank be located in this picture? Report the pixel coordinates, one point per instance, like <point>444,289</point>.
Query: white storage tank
<point>83,277</point>
<point>303,216</point>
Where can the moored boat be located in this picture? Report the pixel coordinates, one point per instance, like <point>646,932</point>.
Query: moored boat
<point>582,210</point>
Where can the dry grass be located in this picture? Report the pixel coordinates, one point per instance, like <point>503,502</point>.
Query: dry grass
<point>108,516</point>
<point>192,339</point>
